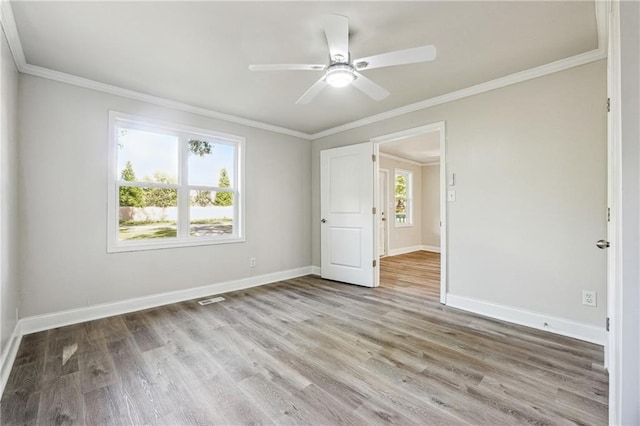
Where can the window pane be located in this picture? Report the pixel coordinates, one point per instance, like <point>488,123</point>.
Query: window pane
<point>211,164</point>
<point>147,157</point>
<point>211,213</point>
<point>402,190</point>
<point>147,213</point>
<point>401,210</point>
<point>401,185</point>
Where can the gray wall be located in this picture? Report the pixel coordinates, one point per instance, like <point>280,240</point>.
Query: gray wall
<point>404,236</point>
<point>431,206</point>
<point>630,294</point>
<point>9,291</point>
<point>63,229</point>
<point>530,164</point>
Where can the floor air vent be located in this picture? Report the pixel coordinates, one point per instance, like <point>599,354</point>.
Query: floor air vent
<point>210,301</point>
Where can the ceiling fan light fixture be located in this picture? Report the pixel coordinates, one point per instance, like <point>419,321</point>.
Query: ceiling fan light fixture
<point>340,75</point>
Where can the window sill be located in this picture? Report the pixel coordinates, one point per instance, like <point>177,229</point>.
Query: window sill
<point>404,225</point>
<point>122,246</point>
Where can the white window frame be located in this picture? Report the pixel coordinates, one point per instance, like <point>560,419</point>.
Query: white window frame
<point>114,244</point>
<point>408,199</point>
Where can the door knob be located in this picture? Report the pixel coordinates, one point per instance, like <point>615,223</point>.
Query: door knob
<point>323,220</point>
<point>602,244</point>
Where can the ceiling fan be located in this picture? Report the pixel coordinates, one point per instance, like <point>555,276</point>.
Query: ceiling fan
<point>342,71</point>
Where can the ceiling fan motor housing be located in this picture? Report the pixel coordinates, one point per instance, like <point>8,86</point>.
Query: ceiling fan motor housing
<point>340,74</point>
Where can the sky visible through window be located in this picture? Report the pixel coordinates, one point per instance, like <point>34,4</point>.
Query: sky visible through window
<point>154,153</point>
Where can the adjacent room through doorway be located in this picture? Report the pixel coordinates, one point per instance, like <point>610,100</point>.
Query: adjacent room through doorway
<point>409,223</point>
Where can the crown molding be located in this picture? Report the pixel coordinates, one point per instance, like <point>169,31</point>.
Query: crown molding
<point>601,10</point>
<point>8,23</point>
<point>396,158</point>
<point>498,83</point>
<point>11,32</point>
<point>143,97</point>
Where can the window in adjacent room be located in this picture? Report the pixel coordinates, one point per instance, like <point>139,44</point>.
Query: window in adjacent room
<point>172,185</point>
<point>403,197</point>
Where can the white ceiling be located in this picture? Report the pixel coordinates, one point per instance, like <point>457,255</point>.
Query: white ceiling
<point>198,52</point>
<point>424,148</point>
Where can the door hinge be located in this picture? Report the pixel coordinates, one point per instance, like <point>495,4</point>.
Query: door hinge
<point>373,158</point>
<point>608,104</point>
<point>373,210</point>
<point>607,323</point>
<point>375,263</point>
<point>608,214</point>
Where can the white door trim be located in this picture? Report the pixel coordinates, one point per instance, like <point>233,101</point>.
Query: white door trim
<point>441,128</point>
<point>386,207</point>
<point>443,212</point>
<point>613,346</point>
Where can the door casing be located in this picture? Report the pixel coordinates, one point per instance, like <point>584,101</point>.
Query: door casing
<point>613,346</point>
<point>440,127</point>
<point>383,207</point>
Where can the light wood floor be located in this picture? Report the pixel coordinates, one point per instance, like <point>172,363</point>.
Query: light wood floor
<point>308,351</point>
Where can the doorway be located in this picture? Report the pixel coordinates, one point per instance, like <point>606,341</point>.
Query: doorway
<point>411,220</point>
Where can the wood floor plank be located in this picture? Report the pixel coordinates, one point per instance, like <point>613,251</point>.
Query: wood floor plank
<point>61,401</point>
<point>271,398</point>
<point>21,398</point>
<point>308,351</point>
<point>179,388</point>
<point>137,390</point>
<point>103,406</point>
<point>144,335</point>
<point>55,365</point>
<point>95,366</point>
<point>20,408</point>
<point>32,347</point>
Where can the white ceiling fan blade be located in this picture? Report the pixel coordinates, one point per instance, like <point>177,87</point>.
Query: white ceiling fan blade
<point>398,57</point>
<point>287,67</point>
<point>369,88</point>
<point>336,28</point>
<point>312,92</point>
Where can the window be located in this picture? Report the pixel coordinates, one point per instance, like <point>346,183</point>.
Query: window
<point>403,198</point>
<point>172,185</point>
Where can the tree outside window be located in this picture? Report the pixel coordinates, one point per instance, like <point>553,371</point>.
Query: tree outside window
<point>403,197</point>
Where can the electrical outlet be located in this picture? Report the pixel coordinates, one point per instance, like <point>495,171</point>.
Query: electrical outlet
<point>252,262</point>
<point>589,298</point>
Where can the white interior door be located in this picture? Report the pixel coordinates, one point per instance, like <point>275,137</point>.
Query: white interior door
<point>383,198</point>
<point>347,237</point>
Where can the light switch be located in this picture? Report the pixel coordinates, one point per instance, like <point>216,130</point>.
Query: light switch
<point>451,195</point>
<point>452,179</point>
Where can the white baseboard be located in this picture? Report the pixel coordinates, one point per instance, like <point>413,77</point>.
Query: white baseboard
<point>403,250</point>
<point>315,270</point>
<point>540,321</point>
<point>411,249</point>
<point>37,323</point>
<point>73,316</point>
<point>9,355</point>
